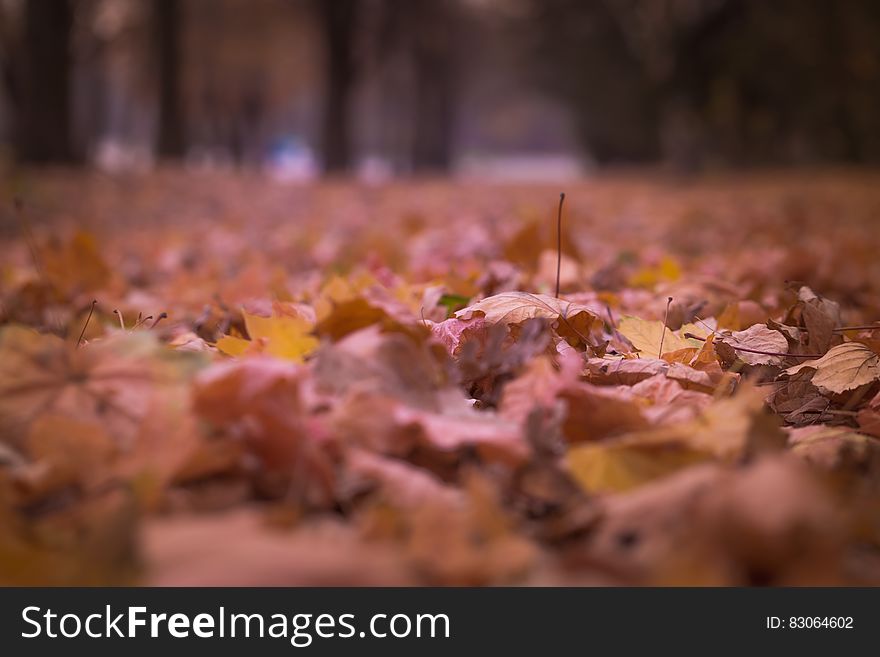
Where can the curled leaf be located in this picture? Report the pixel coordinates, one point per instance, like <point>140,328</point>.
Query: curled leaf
<point>845,367</point>
<point>573,321</point>
<point>755,338</point>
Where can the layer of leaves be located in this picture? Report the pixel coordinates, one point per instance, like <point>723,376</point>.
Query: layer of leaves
<point>335,385</point>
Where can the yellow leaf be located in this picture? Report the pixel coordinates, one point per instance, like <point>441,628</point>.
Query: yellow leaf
<point>667,270</point>
<point>373,305</point>
<point>338,290</point>
<point>646,336</point>
<point>282,336</point>
<point>233,346</point>
<point>726,431</point>
<point>613,468</point>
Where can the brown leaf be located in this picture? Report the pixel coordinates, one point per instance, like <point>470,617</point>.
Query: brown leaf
<point>596,413</point>
<point>869,417</point>
<point>261,400</point>
<point>572,321</point>
<point>845,367</point>
<point>759,338</point>
<point>624,371</point>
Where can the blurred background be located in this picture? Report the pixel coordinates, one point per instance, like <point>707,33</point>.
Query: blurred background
<point>382,88</point>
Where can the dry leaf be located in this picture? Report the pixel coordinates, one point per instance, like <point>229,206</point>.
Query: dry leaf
<point>281,336</point>
<point>845,367</point>
<point>572,321</point>
<point>646,336</point>
<point>758,338</point>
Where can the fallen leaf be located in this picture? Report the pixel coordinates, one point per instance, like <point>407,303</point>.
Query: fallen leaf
<point>646,336</point>
<point>596,413</point>
<point>758,338</point>
<point>618,467</point>
<point>110,382</point>
<point>75,266</point>
<point>845,367</point>
<point>280,336</point>
<point>572,321</point>
<point>624,371</point>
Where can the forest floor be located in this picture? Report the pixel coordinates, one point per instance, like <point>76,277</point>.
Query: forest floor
<point>217,379</point>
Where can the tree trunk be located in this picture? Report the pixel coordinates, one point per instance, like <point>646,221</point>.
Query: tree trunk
<point>435,86</point>
<point>338,22</point>
<point>43,130</point>
<point>166,23</point>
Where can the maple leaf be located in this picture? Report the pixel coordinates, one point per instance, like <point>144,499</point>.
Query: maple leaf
<point>110,382</point>
<point>572,321</point>
<point>455,332</point>
<point>337,290</point>
<point>845,367</point>
<point>281,336</point>
<point>369,306</point>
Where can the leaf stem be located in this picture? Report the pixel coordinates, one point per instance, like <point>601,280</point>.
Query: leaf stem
<point>758,351</point>
<point>88,319</point>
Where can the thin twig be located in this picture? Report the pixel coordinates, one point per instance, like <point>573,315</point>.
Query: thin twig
<point>866,327</point>
<point>663,332</point>
<point>559,241</point>
<point>88,319</point>
<point>758,351</point>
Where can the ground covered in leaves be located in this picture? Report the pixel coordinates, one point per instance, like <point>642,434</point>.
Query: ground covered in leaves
<point>342,384</point>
